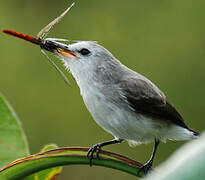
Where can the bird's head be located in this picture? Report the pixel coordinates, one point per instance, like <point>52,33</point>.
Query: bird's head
<point>83,53</point>
<point>84,58</point>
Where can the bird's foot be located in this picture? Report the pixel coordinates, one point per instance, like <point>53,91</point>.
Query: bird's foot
<point>94,149</point>
<point>145,169</point>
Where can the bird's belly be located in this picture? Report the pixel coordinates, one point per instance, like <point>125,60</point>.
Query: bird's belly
<point>122,123</point>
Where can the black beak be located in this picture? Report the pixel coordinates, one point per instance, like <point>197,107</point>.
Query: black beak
<point>57,48</point>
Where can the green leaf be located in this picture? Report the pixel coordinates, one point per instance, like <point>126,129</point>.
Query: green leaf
<point>48,174</point>
<point>188,163</point>
<point>13,142</point>
<point>66,156</point>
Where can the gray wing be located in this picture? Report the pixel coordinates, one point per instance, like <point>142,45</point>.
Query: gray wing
<point>145,98</point>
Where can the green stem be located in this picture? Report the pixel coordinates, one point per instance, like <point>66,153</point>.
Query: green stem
<point>66,156</point>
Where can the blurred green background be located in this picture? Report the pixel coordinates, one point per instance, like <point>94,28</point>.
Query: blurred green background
<point>163,40</point>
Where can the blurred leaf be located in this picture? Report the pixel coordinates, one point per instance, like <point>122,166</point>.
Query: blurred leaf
<point>66,156</point>
<point>13,142</point>
<point>186,164</point>
<point>48,174</point>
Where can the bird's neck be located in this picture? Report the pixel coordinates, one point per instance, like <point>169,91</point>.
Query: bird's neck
<point>85,78</point>
<point>96,77</point>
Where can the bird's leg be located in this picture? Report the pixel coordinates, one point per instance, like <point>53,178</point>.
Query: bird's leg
<point>97,147</point>
<point>147,166</point>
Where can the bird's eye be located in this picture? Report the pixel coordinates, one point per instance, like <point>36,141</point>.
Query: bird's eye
<point>84,51</point>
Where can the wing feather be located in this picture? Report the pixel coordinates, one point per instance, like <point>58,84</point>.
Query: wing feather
<point>145,98</point>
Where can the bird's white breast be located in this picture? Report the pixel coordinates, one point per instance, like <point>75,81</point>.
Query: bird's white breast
<point>126,124</point>
<point>121,123</point>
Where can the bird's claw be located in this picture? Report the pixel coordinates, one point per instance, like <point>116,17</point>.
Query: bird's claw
<point>145,169</point>
<point>94,149</point>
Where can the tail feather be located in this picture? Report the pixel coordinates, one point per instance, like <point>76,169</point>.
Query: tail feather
<point>195,133</point>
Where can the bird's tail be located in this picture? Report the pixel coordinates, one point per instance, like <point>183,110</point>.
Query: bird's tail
<point>196,134</point>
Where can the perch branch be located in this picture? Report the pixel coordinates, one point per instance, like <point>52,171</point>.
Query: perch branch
<point>23,167</point>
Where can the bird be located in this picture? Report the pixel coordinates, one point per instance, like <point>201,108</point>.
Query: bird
<point>123,102</point>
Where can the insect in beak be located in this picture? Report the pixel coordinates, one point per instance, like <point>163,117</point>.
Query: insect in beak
<point>47,44</point>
